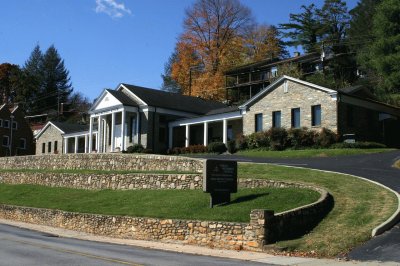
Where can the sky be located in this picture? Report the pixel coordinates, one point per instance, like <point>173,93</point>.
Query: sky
<point>107,42</point>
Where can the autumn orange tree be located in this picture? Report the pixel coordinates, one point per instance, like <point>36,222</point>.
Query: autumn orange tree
<point>217,35</point>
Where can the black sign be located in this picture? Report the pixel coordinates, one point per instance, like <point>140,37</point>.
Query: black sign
<point>220,179</point>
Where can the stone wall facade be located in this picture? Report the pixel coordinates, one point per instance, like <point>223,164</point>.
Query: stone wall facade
<point>297,96</point>
<point>50,135</point>
<point>104,162</point>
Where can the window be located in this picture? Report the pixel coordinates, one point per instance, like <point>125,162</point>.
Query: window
<point>55,146</point>
<point>296,117</point>
<point>1,122</point>
<point>22,143</point>
<point>315,115</point>
<point>6,124</point>
<point>14,125</point>
<point>43,147</point>
<point>274,71</point>
<point>276,119</point>
<point>259,126</point>
<point>6,141</point>
<point>230,132</point>
<point>49,147</point>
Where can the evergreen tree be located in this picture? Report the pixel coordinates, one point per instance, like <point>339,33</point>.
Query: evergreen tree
<point>169,84</point>
<point>385,50</point>
<point>32,89</point>
<point>303,29</point>
<point>56,81</point>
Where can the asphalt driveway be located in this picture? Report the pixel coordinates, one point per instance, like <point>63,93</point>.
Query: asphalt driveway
<point>377,167</point>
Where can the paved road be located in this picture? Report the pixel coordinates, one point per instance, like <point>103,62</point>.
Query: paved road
<point>377,167</point>
<point>24,247</point>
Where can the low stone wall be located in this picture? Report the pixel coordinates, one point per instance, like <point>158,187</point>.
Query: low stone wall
<point>104,162</point>
<point>105,181</point>
<point>203,233</point>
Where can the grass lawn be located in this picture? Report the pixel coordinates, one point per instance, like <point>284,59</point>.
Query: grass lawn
<point>179,204</point>
<point>308,153</point>
<point>359,207</point>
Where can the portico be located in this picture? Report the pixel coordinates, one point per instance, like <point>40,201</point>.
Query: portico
<point>202,130</point>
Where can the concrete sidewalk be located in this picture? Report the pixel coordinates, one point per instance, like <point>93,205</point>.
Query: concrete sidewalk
<point>239,255</point>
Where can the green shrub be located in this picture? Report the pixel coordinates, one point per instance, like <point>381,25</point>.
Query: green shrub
<point>231,146</point>
<point>258,140</point>
<point>216,147</point>
<point>300,138</point>
<point>135,148</point>
<point>325,138</point>
<point>277,138</point>
<point>358,145</point>
<point>241,142</point>
<point>193,149</point>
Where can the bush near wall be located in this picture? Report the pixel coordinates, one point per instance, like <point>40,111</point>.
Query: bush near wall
<point>281,138</point>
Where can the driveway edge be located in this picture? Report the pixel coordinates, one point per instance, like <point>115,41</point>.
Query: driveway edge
<point>386,225</point>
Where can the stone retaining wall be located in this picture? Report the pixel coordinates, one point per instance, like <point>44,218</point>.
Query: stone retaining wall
<point>104,162</point>
<point>203,233</point>
<point>105,181</point>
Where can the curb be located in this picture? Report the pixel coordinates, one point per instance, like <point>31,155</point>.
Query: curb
<point>386,225</point>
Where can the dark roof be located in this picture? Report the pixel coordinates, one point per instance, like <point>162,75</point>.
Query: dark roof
<point>311,57</point>
<point>223,110</point>
<point>174,101</point>
<point>70,128</point>
<point>123,98</point>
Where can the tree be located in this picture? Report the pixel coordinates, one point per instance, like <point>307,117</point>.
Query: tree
<point>262,42</point>
<point>169,84</point>
<point>56,81</point>
<point>212,41</point>
<point>385,49</point>
<point>9,82</point>
<point>304,29</point>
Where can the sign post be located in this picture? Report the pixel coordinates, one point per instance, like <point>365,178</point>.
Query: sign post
<point>220,180</point>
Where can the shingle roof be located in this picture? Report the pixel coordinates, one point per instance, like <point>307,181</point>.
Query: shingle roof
<point>223,110</point>
<point>158,98</point>
<point>122,97</point>
<point>70,128</point>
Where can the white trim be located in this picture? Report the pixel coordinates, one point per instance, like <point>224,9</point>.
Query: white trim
<point>45,127</point>
<point>209,118</point>
<point>77,134</point>
<point>167,111</point>
<point>277,82</point>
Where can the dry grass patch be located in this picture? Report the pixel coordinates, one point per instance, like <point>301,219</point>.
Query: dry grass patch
<point>397,164</point>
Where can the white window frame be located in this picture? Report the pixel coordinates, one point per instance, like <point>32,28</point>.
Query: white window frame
<point>24,146</point>
<point>8,141</point>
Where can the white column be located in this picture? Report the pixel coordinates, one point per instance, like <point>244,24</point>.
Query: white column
<point>112,132</point>
<point>205,133</point>
<point>104,138</point>
<point>65,145</point>
<point>187,136</point>
<point>137,127</point>
<point>86,143</point>
<point>90,134</point>
<point>170,136</point>
<point>123,131</point>
<point>225,131</point>
<point>98,135</point>
<point>76,144</point>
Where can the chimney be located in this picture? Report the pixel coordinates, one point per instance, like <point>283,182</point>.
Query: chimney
<point>296,54</point>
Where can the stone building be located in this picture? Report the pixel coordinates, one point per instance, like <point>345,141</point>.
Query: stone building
<point>15,133</point>
<point>160,120</point>
<point>58,137</point>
